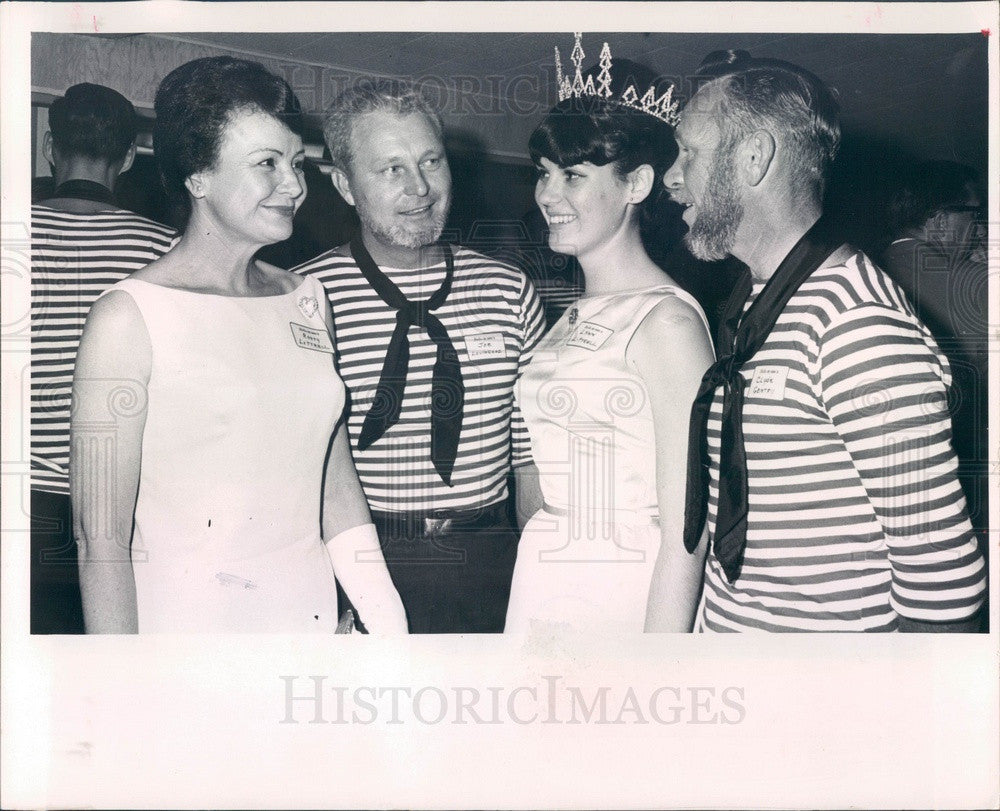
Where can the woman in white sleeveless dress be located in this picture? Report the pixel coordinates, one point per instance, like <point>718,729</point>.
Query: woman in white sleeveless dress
<point>608,393</point>
<point>207,461</point>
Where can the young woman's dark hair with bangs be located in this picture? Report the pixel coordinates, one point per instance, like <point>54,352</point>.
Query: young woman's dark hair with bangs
<point>194,104</point>
<point>601,131</point>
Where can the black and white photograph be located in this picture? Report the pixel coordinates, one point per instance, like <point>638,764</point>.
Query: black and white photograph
<point>614,381</point>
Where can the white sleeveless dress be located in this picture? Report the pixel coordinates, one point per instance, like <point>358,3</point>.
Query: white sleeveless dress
<point>242,401</point>
<point>586,561</point>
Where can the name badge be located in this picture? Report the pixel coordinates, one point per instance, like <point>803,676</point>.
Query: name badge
<point>589,335</point>
<point>768,382</point>
<point>311,338</point>
<point>485,346</point>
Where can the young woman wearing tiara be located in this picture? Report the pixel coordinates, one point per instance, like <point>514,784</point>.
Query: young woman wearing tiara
<point>608,393</point>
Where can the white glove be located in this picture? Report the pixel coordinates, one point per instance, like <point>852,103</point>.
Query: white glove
<point>360,568</point>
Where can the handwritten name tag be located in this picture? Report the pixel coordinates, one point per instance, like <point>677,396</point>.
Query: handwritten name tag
<point>485,346</point>
<point>768,382</point>
<point>311,338</point>
<point>589,335</point>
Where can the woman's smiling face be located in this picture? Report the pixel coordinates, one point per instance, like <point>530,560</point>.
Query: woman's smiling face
<point>584,205</point>
<point>256,185</point>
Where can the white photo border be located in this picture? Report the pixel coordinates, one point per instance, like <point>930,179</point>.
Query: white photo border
<point>891,721</point>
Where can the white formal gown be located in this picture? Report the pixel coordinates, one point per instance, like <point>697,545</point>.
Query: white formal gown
<point>586,561</point>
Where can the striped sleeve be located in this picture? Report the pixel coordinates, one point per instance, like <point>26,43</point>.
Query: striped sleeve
<point>75,257</point>
<point>884,389</point>
<point>533,326</point>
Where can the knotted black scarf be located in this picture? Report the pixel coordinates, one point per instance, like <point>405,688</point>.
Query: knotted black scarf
<point>739,340</point>
<point>447,388</point>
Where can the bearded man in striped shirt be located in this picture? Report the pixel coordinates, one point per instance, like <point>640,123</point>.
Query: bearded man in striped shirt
<point>820,458</point>
<point>82,242</point>
<point>430,341</point>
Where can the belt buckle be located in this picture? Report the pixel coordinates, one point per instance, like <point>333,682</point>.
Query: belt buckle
<point>433,527</point>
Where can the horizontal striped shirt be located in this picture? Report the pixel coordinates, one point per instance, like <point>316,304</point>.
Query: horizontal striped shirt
<point>74,258</point>
<point>856,515</point>
<point>494,319</point>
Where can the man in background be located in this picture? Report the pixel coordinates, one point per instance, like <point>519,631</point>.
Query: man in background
<point>82,242</point>
<point>938,252</point>
<point>938,256</point>
<point>430,341</point>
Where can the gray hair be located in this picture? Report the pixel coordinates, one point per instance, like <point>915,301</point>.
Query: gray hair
<point>791,102</point>
<point>369,96</point>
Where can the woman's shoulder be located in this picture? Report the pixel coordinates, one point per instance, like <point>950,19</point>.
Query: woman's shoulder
<point>676,323</point>
<point>672,342</point>
<point>282,281</point>
<point>159,271</point>
<point>116,312</point>
<point>676,303</point>
<point>173,273</point>
<point>663,305</point>
<point>674,314</point>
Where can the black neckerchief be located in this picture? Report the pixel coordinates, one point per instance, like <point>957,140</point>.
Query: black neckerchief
<point>739,340</point>
<point>85,190</point>
<point>447,388</point>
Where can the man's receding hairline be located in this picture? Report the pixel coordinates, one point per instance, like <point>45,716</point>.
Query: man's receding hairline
<point>356,117</point>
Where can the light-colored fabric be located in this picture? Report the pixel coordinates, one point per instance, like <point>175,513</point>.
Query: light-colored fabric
<point>583,576</point>
<point>856,514</point>
<point>591,426</point>
<point>494,319</point>
<point>74,258</point>
<point>242,402</point>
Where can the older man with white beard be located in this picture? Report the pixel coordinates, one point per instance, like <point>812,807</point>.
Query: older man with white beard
<point>430,340</point>
<point>819,450</point>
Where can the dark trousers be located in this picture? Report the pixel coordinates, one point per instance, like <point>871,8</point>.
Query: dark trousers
<point>453,577</point>
<point>55,576</point>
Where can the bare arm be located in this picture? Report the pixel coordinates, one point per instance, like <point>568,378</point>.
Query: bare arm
<point>352,543</point>
<point>108,418</point>
<point>671,351</point>
<point>528,492</point>
<point>344,502</point>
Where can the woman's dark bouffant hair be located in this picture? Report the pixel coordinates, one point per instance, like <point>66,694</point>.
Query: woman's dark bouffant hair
<point>194,103</point>
<point>601,131</point>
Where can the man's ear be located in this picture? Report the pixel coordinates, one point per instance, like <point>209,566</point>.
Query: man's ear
<point>640,182</point>
<point>47,147</point>
<point>129,158</point>
<point>342,185</point>
<point>196,184</point>
<point>756,155</point>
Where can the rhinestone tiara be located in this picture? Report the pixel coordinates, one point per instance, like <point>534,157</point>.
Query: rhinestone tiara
<point>663,107</point>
